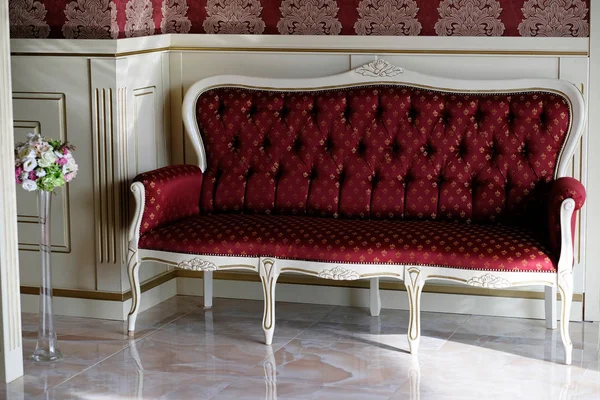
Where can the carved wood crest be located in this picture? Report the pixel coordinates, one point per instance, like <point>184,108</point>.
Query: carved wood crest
<point>379,69</point>
<point>197,264</point>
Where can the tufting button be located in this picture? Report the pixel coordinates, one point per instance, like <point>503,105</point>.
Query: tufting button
<point>427,148</point>
<point>266,143</point>
<point>510,118</point>
<point>284,112</point>
<point>347,113</point>
<point>221,109</point>
<point>278,173</point>
<point>375,178</point>
<point>543,118</point>
<point>315,111</point>
<point>412,114</point>
<point>445,117</point>
<point>252,110</point>
<point>328,144</point>
<point>479,116</point>
<point>462,149</point>
<point>297,145</point>
<point>361,148</point>
<point>342,176</point>
<point>235,143</point>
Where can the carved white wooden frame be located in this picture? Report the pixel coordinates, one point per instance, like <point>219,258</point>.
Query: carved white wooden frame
<point>378,72</point>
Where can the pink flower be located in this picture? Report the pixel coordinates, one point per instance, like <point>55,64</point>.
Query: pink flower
<point>65,151</point>
<point>69,177</point>
<point>32,176</point>
<point>18,171</point>
<point>61,161</point>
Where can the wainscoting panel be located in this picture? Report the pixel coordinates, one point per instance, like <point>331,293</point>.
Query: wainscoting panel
<point>32,112</point>
<point>52,96</point>
<point>147,136</point>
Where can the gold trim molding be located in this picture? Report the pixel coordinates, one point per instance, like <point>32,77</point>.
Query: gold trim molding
<point>310,50</point>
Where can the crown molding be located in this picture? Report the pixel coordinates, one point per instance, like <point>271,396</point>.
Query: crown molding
<point>304,44</point>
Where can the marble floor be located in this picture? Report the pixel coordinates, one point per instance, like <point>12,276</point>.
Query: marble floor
<point>319,352</point>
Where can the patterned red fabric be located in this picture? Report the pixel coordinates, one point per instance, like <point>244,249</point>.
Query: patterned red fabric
<point>562,189</point>
<point>457,245</point>
<point>172,193</point>
<point>109,19</point>
<point>381,152</point>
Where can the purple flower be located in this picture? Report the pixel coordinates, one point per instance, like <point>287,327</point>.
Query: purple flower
<point>61,161</point>
<point>32,176</point>
<point>18,171</point>
<point>65,151</point>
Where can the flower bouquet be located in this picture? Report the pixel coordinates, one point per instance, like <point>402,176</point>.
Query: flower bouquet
<point>42,165</point>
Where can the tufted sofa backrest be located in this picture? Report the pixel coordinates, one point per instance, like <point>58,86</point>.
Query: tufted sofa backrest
<point>380,151</point>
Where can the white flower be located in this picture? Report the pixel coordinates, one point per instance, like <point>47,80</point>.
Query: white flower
<point>48,158</point>
<point>29,164</point>
<point>70,166</point>
<point>29,185</point>
<point>26,152</point>
<point>40,172</point>
<point>24,176</point>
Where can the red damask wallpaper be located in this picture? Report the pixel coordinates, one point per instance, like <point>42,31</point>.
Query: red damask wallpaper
<point>111,19</point>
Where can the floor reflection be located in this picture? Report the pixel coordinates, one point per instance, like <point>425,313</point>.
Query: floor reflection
<point>318,352</point>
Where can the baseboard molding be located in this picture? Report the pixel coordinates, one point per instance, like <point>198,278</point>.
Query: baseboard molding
<point>457,303</point>
<point>97,307</point>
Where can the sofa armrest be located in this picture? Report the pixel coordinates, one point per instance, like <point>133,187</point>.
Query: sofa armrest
<point>563,189</point>
<point>165,195</point>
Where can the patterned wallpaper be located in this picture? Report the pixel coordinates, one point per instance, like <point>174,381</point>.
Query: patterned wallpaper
<point>111,19</point>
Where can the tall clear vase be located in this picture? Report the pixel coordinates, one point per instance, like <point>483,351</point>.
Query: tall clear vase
<point>47,344</point>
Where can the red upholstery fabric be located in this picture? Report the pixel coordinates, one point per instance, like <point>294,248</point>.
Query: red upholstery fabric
<point>172,193</point>
<point>562,189</point>
<point>381,152</point>
<point>487,247</point>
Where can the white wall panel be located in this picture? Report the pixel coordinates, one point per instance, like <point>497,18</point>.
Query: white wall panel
<point>478,67</point>
<point>32,113</point>
<point>575,70</point>
<point>145,78</point>
<point>56,100</point>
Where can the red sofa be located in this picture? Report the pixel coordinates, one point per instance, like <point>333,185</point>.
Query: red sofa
<point>370,174</point>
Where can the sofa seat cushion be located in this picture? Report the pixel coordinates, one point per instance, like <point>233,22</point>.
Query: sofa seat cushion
<point>436,243</point>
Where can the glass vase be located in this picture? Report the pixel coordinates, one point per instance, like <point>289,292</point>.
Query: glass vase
<point>46,348</point>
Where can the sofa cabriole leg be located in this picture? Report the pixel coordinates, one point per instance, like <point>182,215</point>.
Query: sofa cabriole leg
<point>268,276</point>
<point>133,268</point>
<point>565,287</point>
<point>414,285</point>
